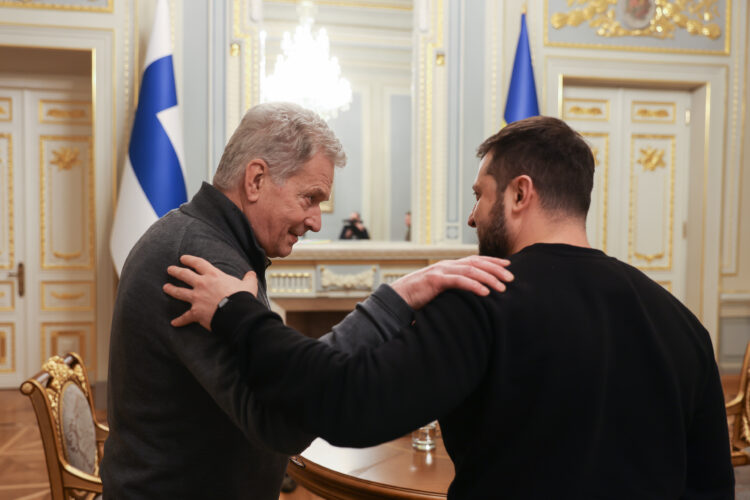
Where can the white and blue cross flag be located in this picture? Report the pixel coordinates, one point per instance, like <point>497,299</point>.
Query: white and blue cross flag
<point>153,179</point>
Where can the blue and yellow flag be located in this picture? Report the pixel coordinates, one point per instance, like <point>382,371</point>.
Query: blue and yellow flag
<point>522,102</point>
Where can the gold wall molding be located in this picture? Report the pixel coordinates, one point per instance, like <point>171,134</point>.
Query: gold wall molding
<point>363,279</point>
<point>664,20</point>
<point>650,163</point>
<point>82,7</point>
<point>601,15</point>
<point>9,194</point>
<point>7,347</point>
<point>605,179</point>
<point>653,112</point>
<point>88,208</point>
<point>66,158</point>
<point>57,331</point>
<point>356,4</point>
<point>651,158</point>
<point>6,109</point>
<point>8,296</point>
<point>585,109</point>
<point>67,295</point>
<point>64,112</point>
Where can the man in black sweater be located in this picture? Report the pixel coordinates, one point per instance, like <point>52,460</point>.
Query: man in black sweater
<point>584,380</point>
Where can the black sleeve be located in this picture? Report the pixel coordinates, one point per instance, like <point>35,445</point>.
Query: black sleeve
<point>709,466</point>
<point>373,395</point>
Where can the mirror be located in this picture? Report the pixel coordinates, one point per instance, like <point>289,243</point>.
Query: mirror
<point>373,44</point>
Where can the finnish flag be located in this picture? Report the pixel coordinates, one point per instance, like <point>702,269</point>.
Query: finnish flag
<point>153,179</point>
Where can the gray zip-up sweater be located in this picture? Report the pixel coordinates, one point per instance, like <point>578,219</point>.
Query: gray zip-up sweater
<point>182,423</point>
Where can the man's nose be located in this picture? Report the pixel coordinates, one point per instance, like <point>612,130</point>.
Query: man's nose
<point>471,221</point>
<point>313,221</point>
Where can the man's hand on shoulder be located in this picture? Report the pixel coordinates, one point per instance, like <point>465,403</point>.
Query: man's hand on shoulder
<point>475,274</point>
<point>209,286</point>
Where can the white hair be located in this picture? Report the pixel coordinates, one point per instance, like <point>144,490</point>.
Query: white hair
<point>284,135</point>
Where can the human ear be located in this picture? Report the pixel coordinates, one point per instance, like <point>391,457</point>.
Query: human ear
<point>522,188</point>
<point>256,177</point>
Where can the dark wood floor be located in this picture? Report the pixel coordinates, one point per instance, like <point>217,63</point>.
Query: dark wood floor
<point>23,473</point>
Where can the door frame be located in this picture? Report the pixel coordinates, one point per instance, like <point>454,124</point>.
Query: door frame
<point>708,85</point>
<point>100,43</point>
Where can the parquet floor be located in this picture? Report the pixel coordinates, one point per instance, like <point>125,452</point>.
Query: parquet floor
<point>23,472</point>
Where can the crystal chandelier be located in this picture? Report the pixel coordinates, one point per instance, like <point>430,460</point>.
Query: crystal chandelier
<point>305,73</point>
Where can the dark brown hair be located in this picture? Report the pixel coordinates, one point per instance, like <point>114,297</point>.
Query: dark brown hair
<point>554,155</point>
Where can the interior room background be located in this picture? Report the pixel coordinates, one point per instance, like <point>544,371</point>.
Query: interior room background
<point>663,104</point>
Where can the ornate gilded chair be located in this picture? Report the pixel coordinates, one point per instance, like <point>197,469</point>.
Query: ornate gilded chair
<point>738,411</point>
<point>72,438</point>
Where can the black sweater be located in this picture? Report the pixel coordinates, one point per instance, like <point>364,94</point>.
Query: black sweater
<point>584,380</point>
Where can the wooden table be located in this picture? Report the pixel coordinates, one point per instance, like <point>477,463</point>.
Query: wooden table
<point>389,470</point>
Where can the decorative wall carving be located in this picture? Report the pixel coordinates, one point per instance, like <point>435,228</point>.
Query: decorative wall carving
<point>6,109</point>
<point>585,109</point>
<point>7,348</point>
<point>651,231</point>
<point>67,112</point>
<point>79,5</point>
<point>704,24</point>
<point>364,279</point>
<point>67,192</point>
<point>653,112</point>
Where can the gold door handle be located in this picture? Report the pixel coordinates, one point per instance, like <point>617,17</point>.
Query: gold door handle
<point>21,275</point>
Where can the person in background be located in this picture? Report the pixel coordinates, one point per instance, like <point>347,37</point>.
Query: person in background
<point>407,222</point>
<point>354,228</point>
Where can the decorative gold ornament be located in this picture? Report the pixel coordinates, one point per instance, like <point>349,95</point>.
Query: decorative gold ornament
<point>595,154</point>
<point>2,110</point>
<point>66,296</point>
<point>652,113</point>
<point>657,19</point>
<point>592,111</point>
<point>71,114</point>
<point>648,257</point>
<point>651,159</point>
<point>66,158</point>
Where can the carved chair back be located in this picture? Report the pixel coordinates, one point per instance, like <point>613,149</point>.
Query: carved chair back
<point>738,410</point>
<point>71,436</point>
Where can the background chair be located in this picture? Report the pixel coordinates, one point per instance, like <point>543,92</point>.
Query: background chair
<point>737,415</point>
<point>72,437</point>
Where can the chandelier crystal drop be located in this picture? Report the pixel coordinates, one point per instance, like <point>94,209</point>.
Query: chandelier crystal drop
<point>305,73</point>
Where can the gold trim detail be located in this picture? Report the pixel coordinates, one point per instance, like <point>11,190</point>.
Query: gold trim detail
<point>603,7</point>
<point>4,345</point>
<point>66,158</point>
<point>61,295</point>
<point>67,296</point>
<point>642,113</point>
<point>650,162</point>
<point>60,374</point>
<point>605,181</point>
<point>651,158</point>
<point>12,296</point>
<point>355,4</point>
<point>65,112</point>
<point>666,19</point>
<point>28,4</point>
<point>43,206</point>
<point>9,111</point>
<point>11,236</point>
<point>585,109</point>
<point>56,330</point>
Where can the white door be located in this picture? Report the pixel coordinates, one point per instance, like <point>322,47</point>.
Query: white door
<point>640,140</point>
<point>47,257</point>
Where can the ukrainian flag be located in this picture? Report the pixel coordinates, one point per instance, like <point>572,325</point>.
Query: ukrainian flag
<point>522,102</point>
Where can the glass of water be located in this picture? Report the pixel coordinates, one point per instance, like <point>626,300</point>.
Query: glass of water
<point>423,439</point>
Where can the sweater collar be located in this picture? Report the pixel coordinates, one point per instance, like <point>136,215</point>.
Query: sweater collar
<point>214,208</point>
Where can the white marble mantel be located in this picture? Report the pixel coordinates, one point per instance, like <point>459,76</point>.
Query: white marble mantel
<point>350,269</point>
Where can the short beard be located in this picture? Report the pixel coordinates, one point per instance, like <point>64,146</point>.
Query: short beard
<point>493,240</point>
